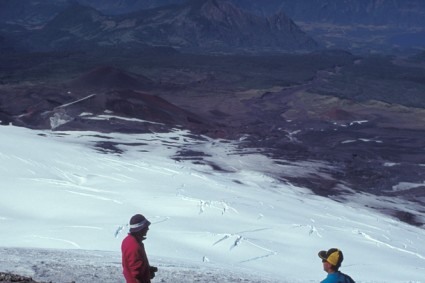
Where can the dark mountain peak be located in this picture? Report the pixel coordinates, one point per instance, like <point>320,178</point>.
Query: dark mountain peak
<point>281,21</point>
<point>222,23</point>
<point>108,77</point>
<point>216,9</point>
<point>222,12</point>
<point>280,14</point>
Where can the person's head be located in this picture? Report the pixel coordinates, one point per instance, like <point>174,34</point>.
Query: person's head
<point>331,259</point>
<point>139,225</point>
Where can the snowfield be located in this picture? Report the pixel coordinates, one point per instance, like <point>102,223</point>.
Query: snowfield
<point>67,197</point>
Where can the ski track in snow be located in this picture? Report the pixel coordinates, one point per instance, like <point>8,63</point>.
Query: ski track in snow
<point>381,243</point>
<point>75,245</point>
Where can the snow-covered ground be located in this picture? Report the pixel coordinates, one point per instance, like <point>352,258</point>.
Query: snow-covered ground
<point>64,207</point>
<point>84,266</point>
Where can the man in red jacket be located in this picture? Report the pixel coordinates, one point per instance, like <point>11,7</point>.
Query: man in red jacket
<point>136,268</point>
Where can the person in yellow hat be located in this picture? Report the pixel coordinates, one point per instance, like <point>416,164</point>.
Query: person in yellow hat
<point>332,260</point>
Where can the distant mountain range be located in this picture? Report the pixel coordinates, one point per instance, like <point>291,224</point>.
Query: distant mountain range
<point>200,26</point>
<point>360,26</point>
<point>399,13</point>
<point>285,25</point>
<point>370,12</point>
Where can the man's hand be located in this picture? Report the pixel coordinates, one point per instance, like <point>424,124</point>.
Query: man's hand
<point>152,270</point>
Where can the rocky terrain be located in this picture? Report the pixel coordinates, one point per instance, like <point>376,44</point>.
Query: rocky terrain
<point>10,278</point>
<point>363,117</point>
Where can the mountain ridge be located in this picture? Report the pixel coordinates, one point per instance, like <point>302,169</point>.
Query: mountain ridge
<point>368,26</point>
<point>208,26</point>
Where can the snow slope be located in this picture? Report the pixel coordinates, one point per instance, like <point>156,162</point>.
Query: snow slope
<point>60,191</point>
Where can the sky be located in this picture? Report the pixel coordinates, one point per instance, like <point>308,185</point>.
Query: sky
<point>61,192</point>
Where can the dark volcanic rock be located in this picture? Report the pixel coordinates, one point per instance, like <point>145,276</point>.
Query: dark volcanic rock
<point>114,110</point>
<point>107,77</point>
<point>5,119</point>
<point>9,278</point>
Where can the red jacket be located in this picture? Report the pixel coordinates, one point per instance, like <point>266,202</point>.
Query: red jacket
<point>134,261</point>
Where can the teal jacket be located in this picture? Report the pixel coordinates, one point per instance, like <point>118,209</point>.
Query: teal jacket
<point>337,277</point>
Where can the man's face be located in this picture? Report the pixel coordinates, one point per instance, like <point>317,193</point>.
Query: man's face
<point>326,266</point>
<point>144,232</point>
